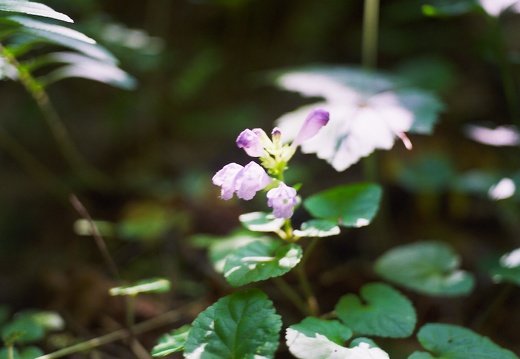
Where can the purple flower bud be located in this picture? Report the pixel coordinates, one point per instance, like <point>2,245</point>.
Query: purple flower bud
<point>282,199</point>
<point>249,140</point>
<point>251,179</point>
<point>313,123</point>
<point>225,178</point>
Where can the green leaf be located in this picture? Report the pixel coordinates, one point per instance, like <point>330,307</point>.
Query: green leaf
<point>387,313</point>
<point>261,222</point>
<point>318,346</point>
<point>88,68</point>
<point>424,105</point>
<point>32,8</point>
<point>23,329</point>
<point>352,205</point>
<point>446,341</point>
<point>332,329</point>
<point>508,268</point>
<point>317,228</point>
<point>63,36</point>
<point>171,342</point>
<point>154,285</point>
<point>428,267</point>
<point>446,8</point>
<point>260,260</point>
<point>243,325</point>
<point>31,352</point>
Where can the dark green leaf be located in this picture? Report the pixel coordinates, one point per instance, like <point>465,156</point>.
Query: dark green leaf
<point>445,8</point>
<point>428,267</point>
<point>332,329</point>
<point>350,205</point>
<point>32,8</point>
<point>243,325</point>
<point>446,341</point>
<point>387,313</point>
<point>171,342</point>
<point>260,260</point>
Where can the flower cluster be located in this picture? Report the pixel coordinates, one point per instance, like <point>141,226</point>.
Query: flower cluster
<point>246,181</point>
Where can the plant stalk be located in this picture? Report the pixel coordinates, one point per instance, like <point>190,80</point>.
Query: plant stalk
<point>370,34</point>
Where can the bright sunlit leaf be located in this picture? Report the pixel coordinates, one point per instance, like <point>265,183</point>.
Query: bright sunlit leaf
<point>367,112</point>
<point>260,260</point>
<point>380,311</point>
<point>349,206</point>
<point>171,342</point>
<point>309,344</point>
<point>428,267</point>
<point>445,341</point>
<point>508,268</point>
<point>154,285</point>
<point>32,8</point>
<point>261,222</point>
<point>317,228</point>
<point>241,325</point>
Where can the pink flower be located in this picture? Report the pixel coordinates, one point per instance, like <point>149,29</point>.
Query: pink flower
<point>244,181</point>
<point>282,199</point>
<point>250,141</point>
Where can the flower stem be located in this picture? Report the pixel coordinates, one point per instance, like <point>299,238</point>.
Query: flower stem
<point>69,150</point>
<point>292,295</point>
<point>370,34</point>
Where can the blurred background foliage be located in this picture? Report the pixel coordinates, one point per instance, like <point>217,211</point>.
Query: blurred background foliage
<point>203,69</point>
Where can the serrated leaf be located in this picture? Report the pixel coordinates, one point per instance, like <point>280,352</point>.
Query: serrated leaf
<point>447,341</point>
<point>368,111</point>
<point>32,8</point>
<point>381,311</point>
<point>260,260</point>
<point>428,267</point>
<point>349,206</point>
<point>171,342</point>
<point>317,228</point>
<point>153,285</point>
<point>88,68</point>
<point>63,36</point>
<point>243,325</point>
<point>261,222</point>
<point>332,329</point>
<point>318,346</point>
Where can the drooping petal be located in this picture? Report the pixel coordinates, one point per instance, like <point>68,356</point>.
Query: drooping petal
<point>282,199</point>
<point>225,178</point>
<point>251,179</point>
<point>313,123</point>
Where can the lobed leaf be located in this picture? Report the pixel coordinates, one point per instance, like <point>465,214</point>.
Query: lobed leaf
<point>32,8</point>
<point>447,341</point>
<point>352,205</point>
<point>387,313</point>
<point>243,325</point>
<point>260,260</point>
<point>428,267</point>
<point>334,330</point>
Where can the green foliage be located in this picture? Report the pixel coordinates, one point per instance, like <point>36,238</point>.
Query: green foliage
<point>153,285</point>
<point>171,342</point>
<point>243,325</point>
<point>261,222</point>
<point>445,8</point>
<point>447,341</point>
<point>260,260</point>
<point>349,206</point>
<point>32,8</point>
<point>387,313</point>
<point>29,352</point>
<point>508,268</point>
<point>317,228</point>
<point>332,329</point>
<point>428,267</point>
